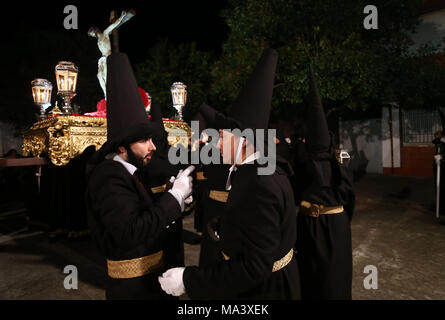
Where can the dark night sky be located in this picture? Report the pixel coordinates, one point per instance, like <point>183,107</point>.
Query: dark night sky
<point>33,39</point>
<point>198,21</point>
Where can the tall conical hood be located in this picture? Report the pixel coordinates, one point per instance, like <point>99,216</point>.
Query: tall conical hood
<point>317,133</point>
<point>251,108</point>
<point>161,140</point>
<point>127,119</point>
<point>217,120</point>
<point>156,113</point>
<point>201,122</point>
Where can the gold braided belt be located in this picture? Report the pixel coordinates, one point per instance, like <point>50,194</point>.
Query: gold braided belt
<point>158,189</point>
<point>314,210</point>
<point>200,176</point>
<point>277,265</point>
<point>138,267</point>
<point>220,196</point>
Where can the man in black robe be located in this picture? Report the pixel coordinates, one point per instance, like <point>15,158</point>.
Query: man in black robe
<point>257,229</point>
<point>155,178</point>
<point>124,220</point>
<point>213,207</point>
<point>201,189</point>
<point>327,203</point>
<point>211,197</point>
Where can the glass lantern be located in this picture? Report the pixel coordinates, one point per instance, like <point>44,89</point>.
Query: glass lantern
<point>179,97</point>
<point>66,77</point>
<point>41,93</point>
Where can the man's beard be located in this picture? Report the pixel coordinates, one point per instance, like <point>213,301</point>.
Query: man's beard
<point>135,160</point>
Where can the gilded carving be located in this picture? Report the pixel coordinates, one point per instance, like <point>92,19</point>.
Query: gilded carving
<point>63,138</point>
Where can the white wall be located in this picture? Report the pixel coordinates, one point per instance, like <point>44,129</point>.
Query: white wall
<point>362,139</point>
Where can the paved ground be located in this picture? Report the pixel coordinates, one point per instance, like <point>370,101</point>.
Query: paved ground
<point>394,229</point>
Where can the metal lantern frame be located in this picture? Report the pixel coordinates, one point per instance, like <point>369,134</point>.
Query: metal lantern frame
<point>41,93</point>
<point>179,97</point>
<point>66,78</point>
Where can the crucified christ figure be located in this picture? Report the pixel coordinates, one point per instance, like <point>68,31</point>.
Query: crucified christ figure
<point>104,44</point>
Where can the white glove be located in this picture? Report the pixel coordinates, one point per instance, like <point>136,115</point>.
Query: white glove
<point>182,186</point>
<point>171,281</point>
<point>188,200</point>
<point>438,157</point>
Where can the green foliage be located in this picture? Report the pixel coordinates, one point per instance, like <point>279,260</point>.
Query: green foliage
<point>355,68</point>
<point>168,63</point>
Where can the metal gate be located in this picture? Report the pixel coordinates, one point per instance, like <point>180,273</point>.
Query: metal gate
<point>419,126</point>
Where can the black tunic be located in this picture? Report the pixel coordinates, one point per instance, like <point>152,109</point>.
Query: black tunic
<point>157,174</point>
<point>324,243</point>
<point>212,210</point>
<point>257,229</point>
<point>126,224</point>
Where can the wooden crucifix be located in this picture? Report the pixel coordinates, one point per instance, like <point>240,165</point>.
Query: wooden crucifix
<point>104,43</point>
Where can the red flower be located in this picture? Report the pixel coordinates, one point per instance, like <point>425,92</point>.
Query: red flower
<point>144,97</point>
<point>101,107</point>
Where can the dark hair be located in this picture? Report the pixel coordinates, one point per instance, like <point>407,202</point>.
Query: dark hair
<point>10,151</point>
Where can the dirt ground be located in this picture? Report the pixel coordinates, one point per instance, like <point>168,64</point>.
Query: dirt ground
<point>394,232</point>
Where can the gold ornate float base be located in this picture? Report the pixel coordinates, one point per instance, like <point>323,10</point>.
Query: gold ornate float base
<point>63,138</point>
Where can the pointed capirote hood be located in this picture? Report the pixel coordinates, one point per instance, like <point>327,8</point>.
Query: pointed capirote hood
<point>127,119</point>
<point>217,120</point>
<point>201,122</point>
<point>318,139</point>
<point>156,113</point>
<point>251,109</point>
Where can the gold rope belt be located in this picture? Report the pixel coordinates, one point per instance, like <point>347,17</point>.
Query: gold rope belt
<point>158,189</point>
<point>200,176</point>
<point>277,265</point>
<point>314,210</point>
<point>138,267</point>
<point>220,196</point>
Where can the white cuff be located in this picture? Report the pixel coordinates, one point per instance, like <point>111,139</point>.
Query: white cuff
<point>178,198</point>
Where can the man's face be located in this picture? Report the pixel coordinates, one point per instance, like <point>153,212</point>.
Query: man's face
<point>227,144</point>
<point>141,152</point>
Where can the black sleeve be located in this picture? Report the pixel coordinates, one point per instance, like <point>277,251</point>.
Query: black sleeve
<point>258,235</point>
<point>128,220</point>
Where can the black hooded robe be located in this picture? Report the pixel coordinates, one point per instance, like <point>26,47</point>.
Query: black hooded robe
<point>257,229</point>
<point>212,210</point>
<point>155,178</point>
<point>123,219</point>
<point>126,223</point>
<point>324,242</point>
<point>324,245</point>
